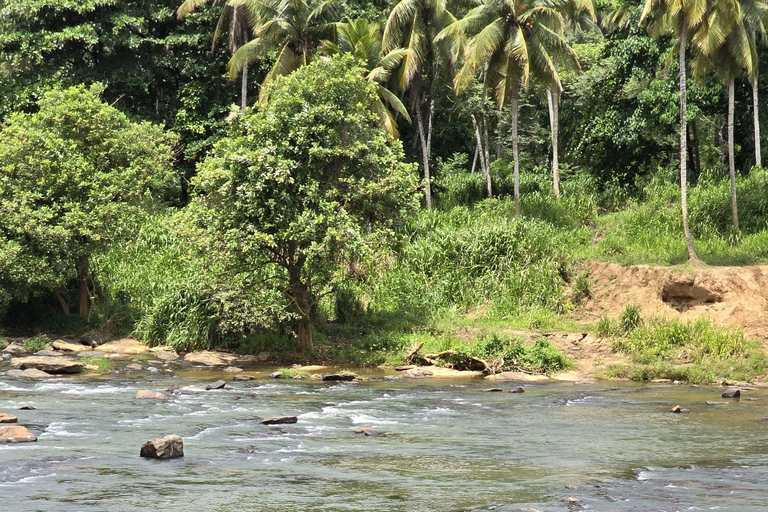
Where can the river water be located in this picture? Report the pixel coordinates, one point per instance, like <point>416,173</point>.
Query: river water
<point>445,446</point>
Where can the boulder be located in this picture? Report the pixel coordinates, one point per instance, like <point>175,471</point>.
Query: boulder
<point>168,447</point>
<point>29,373</point>
<point>341,376</point>
<point>366,431</point>
<point>517,376</point>
<point>518,389</point>
<point>243,377</point>
<point>65,346</point>
<point>275,375</point>
<point>210,358</point>
<point>46,352</point>
<point>262,357</point>
<point>144,394</point>
<point>47,364</point>
<point>15,348</point>
<point>219,384</point>
<point>27,408</point>
<point>16,434</point>
<point>164,353</point>
<point>279,420</point>
<point>7,418</point>
<point>123,346</point>
<point>418,373</point>
<point>677,409</point>
<point>732,393</point>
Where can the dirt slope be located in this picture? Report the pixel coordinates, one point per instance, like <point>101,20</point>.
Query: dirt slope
<point>728,296</point>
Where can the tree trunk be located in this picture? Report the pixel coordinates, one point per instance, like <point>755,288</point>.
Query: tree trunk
<point>486,141</point>
<point>516,152</point>
<point>244,88</point>
<point>756,117</point>
<point>553,99</point>
<point>483,163</point>
<point>474,160</point>
<point>62,302</point>
<point>83,292</point>
<point>302,308</point>
<point>731,162</point>
<point>424,157</point>
<point>692,257</point>
<point>696,149</point>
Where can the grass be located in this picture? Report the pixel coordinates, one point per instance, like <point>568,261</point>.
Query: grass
<point>292,373</point>
<point>36,343</point>
<point>694,351</point>
<point>100,364</point>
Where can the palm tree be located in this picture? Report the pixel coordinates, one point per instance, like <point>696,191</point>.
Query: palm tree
<point>292,28</point>
<point>362,40</point>
<point>509,41</point>
<point>728,51</point>
<point>413,25</point>
<point>755,14</point>
<point>580,15</point>
<point>682,18</point>
<point>235,20</point>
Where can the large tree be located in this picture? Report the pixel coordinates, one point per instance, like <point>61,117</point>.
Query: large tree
<point>303,181</point>
<point>68,174</point>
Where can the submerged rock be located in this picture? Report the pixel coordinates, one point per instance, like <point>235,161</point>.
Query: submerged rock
<point>732,393</point>
<point>168,447</point>
<point>279,420</point>
<point>518,389</point>
<point>366,431</point>
<point>16,434</point>
<point>145,394</point>
<point>7,418</point>
<point>47,364</point>
<point>219,384</point>
<point>233,369</point>
<point>493,390</point>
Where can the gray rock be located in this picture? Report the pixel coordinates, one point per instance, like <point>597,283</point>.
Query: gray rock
<point>279,420</point>
<point>262,357</point>
<point>29,373</point>
<point>677,409</point>
<point>517,390</point>
<point>493,390</point>
<point>243,377</point>
<point>134,367</point>
<point>732,393</point>
<point>341,376</point>
<point>168,447</point>
<point>46,352</point>
<point>219,384</point>
<point>275,375</point>
<point>48,364</point>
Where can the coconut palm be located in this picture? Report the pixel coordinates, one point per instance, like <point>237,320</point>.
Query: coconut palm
<point>413,25</point>
<point>291,28</point>
<point>578,15</point>
<point>755,13</point>
<point>362,39</point>
<point>510,41</point>
<point>234,21</point>
<point>682,19</point>
<point>728,51</point>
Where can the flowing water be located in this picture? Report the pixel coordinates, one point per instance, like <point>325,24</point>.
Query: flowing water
<point>445,446</point>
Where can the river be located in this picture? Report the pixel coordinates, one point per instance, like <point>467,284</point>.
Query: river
<point>445,446</point>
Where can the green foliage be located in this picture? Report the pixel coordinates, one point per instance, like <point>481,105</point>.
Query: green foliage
<point>292,373</point>
<point>630,318</point>
<point>36,343</point>
<point>68,174</point>
<point>581,289</point>
<point>540,357</point>
<point>100,364</point>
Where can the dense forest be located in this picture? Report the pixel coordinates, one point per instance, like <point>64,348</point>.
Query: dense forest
<point>338,179</point>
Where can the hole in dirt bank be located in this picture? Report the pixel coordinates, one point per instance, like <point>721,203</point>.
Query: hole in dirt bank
<point>685,295</point>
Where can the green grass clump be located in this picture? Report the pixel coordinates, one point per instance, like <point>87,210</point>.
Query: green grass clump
<point>36,343</point>
<point>292,373</point>
<point>688,351</point>
<point>102,364</point>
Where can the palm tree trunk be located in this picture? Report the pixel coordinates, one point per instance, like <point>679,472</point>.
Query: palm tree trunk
<point>755,112</point>
<point>483,163</point>
<point>554,123</point>
<point>731,162</point>
<point>425,157</point>
<point>692,257</point>
<point>474,160</point>
<point>244,88</point>
<point>488,186</point>
<point>515,152</point>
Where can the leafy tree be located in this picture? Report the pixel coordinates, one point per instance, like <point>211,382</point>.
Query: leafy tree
<point>68,174</point>
<point>304,181</point>
<point>362,40</point>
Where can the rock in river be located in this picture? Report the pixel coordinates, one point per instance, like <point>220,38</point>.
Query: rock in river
<point>518,389</point>
<point>243,377</point>
<point>65,346</point>
<point>124,346</point>
<point>144,394</point>
<point>366,431</point>
<point>47,364</point>
<point>209,358</point>
<point>16,434</point>
<point>732,393</point>
<point>7,418</point>
<point>168,447</point>
<point>678,409</point>
<point>342,376</point>
<point>219,384</point>
<point>279,420</point>
<point>29,373</point>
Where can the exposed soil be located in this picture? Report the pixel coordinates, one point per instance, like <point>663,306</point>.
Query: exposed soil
<point>727,296</point>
